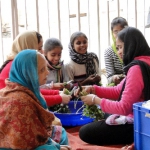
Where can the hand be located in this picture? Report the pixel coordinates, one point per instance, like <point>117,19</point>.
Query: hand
<point>92,79</point>
<point>68,85</point>
<point>96,79</point>
<point>65,147</point>
<point>65,98</point>
<point>88,99</point>
<point>117,78</point>
<point>87,89</point>
<point>58,86</point>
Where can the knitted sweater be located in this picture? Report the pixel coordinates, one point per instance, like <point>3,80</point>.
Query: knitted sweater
<point>52,97</point>
<point>112,64</point>
<point>132,93</point>
<point>77,72</point>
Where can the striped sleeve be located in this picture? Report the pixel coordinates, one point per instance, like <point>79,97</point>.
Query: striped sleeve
<point>112,64</point>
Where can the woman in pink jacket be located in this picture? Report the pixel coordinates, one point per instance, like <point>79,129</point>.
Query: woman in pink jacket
<point>118,101</point>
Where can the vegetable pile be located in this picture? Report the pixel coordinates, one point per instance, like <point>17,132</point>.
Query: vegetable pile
<point>61,108</point>
<point>92,111</point>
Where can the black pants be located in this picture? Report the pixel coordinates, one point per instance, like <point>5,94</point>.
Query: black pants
<point>99,133</point>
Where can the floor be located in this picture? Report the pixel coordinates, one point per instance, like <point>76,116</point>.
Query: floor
<point>77,144</point>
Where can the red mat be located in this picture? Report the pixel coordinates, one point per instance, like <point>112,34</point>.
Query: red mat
<point>77,144</point>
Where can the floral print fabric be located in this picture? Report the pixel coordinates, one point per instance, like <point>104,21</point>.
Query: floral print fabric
<point>24,123</point>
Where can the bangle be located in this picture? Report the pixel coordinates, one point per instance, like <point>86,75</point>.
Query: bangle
<point>93,98</point>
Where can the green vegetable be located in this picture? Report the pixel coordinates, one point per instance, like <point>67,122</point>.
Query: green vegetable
<point>92,111</point>
<point>83,93</point>
<point>66,92</point>
<point>61,108</point>
<point>111,84</point>
<point>65,84</point>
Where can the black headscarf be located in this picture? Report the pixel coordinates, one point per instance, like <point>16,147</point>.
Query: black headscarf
<point>135,45</point>
<point>87,58</point>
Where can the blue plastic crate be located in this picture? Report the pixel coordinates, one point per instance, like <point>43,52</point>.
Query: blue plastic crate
<point>141,127</point>
<point>73,118</point>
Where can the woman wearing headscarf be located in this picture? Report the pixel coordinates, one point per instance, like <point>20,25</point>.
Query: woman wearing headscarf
<point>25,122</point>
<point>24,40</point>
<point>83,66</point>
<point>118,100</point>
<point>30,40</point>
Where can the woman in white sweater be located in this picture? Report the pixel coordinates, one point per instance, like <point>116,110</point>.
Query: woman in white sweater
<point>83,66</point>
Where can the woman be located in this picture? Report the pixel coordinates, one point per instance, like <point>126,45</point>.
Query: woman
<point>118,101</point>
<point>24,40</point>
<point>83,66</point>
<point>57,75</point>
<point>113,63</point>
<point>25,123</point>
<point>30,40</point>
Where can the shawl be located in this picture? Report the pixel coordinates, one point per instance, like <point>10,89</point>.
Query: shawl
<point>24,124</point>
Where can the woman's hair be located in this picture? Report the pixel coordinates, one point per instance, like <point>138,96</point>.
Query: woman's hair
<point>39,37</point>
<point>76,35</point>
<point>135,44</point>
<point>119,21</point>
<point>52,43</point>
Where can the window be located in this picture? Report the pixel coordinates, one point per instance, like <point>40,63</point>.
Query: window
<point>60,18</point>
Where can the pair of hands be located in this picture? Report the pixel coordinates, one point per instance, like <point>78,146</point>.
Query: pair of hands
<point>92,79</point>
<point>60,86</point>
<point>86,99</point>
<point>90,98</point>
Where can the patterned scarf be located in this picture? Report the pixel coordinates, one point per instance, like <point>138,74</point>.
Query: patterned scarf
<point>58,68</point>
<point>22,116</point>
<point>87,59</point>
